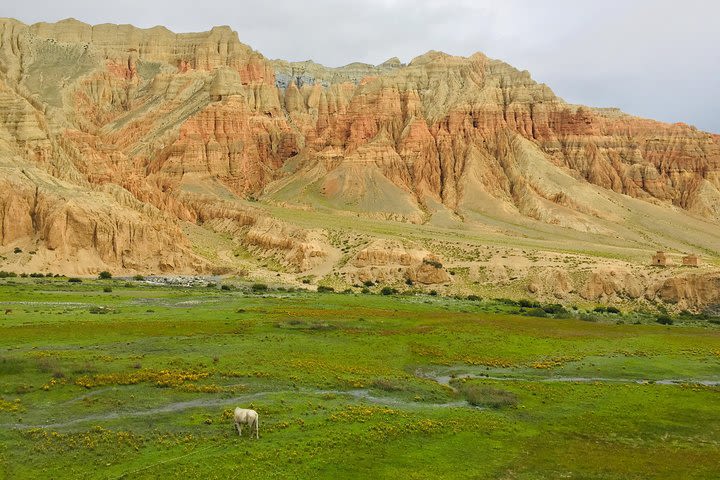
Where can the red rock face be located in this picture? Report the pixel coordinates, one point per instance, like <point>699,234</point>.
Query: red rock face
<point>170,117</point>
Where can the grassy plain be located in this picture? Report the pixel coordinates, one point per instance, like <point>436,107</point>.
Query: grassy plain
<point>139,383</point>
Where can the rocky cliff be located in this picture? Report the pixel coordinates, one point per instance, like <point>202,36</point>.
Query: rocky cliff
<point>118,143</point>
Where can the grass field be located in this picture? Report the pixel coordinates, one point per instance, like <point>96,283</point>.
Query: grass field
<point>139,382</point>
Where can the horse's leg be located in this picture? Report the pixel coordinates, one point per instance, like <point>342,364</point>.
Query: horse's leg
<point>257,428</point>
<point>239,428</point>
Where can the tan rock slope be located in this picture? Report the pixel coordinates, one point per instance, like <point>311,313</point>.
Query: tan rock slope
<point>145,150</point>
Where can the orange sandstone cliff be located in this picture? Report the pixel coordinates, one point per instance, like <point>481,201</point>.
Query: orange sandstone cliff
<point>125,148</point>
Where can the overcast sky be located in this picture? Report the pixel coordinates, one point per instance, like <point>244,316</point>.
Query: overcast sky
<point>653,58</point>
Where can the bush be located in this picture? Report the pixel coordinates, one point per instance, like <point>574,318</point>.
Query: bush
<point>107,289</point>
<point>324,289</point>
<point>536,312</point>
<point>365,290</point>
<point>388,291</point>
<point>483,396</point>
<point>600,309</point>
<point>105,275</point>
<point>17,250</point>
<point>613,310</point>
<point>524,303</point>
<point>74,280</point>
<point>409,282</point>
<point>474,298</point>
<point>4,274</point>
<point>555,309</point>
<point>100,310</point>
<point>433,293</point>
<point>138,278</point>
<point>259,287</point>
<point>433,263</point>
<point>369,283</point>
<point>225,287</point>
<point>664,319</point>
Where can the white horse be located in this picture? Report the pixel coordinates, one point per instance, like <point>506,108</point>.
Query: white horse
<point>248,417</point>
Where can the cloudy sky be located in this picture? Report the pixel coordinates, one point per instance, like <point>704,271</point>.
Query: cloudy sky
<point>653,58</point>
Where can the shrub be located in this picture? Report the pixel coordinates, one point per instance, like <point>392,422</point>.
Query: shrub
<point>474,298</point>
<point>536,312</point>
<point>554,309</point>
<point>17,250</point>
<point>431,262</point>
<point>105,275</point>
<point>664,319</point>
<point>524,303</point>
<point>306,281</point>
<point>369,283</point>
<point>433,293</point>
<point>613,310</point>
<point>259,287</point>
<point>600,309</point>
<point>388,291</point>
<point>138,278</point>
<point>4,274</point>
<point>74,280</point>
<point>225,287</point>
<point>409,282</point>
<point>483,396</point>
<point>365,290</point>
<point>107,289</point>
<point>325,289</point>
<point>100,310</point>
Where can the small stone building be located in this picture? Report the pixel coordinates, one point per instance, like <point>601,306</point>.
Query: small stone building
<point>660,259</point>
<point>691,260</point>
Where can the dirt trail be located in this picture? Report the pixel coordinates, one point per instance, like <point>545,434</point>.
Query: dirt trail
<point>360,394</point>
<point>446,379</point>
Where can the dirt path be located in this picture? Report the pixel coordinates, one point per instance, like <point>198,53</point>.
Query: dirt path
<point>360,394</point>
<point>446,379</point>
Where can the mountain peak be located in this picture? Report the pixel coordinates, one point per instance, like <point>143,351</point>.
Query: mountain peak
<point>126,148</point>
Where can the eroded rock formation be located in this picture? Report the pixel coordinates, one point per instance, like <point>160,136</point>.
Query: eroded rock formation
<point>117,142</point>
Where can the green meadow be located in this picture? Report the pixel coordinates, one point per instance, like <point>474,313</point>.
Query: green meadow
<point>140,382</point>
